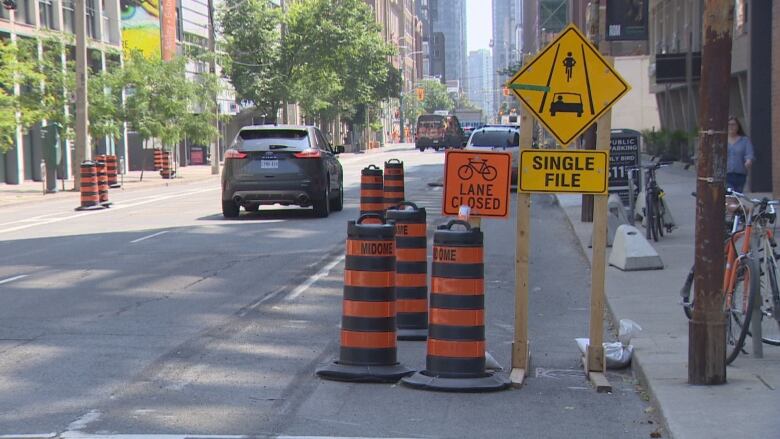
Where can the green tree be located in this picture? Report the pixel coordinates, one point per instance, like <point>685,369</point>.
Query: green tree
<point>105,105</point>
<point>436,96</point>
<point>16,70</point>
<point>252,32</point>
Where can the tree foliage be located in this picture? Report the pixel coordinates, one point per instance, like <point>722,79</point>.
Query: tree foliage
<point>15,69</point>
<point>436,96</point>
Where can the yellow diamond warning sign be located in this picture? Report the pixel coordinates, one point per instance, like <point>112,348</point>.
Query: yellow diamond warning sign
<point>568,85</point>
<point>549,170</point>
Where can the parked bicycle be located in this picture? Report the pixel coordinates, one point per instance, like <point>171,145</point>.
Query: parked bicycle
<point>742,274</point>
<point>655,213</point>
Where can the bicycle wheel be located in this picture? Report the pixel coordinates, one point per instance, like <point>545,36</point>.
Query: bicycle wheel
<point>770,326</point>
<point>490,173</point>
<point>650,229</point>
<point>739,305</point>
<point>658,212</point>
<point>465,172</point>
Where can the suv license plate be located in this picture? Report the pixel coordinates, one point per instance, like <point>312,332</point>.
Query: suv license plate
<point>269,164</point>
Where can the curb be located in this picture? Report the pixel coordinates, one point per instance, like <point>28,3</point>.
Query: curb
<point>636,360</point>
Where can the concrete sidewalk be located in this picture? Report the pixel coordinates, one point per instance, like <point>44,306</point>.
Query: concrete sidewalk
<point>745,407</point>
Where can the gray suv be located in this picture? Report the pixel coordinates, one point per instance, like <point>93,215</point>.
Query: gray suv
<point>284,164</point>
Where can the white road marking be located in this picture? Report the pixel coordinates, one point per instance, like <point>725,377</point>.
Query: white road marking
<point>29,436</point>
<point>112,209</point>
<point>312,279</point>
<point>149,236</point>
<point>86,419</point>
<point>11,279</point>
<point>79,435</point>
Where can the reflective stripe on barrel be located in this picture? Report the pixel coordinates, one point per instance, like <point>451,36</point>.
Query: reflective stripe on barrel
<point>393,183</point>
<point>369,307</point>
<point>166,171</point>
<point>411,267</point>
<point>111,170</point>
<point>89,185</point>
<point>102,178</point>
<point>456,331</point>
<point>372,196</point>
<point>158,159</point>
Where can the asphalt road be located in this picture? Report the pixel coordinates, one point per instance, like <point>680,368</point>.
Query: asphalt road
<point>159,317</point>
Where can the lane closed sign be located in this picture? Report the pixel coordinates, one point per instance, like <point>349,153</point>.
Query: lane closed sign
<point>583,172</point>
<point>479,180</point>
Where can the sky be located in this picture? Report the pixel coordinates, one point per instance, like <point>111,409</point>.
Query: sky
<point>479,23</point>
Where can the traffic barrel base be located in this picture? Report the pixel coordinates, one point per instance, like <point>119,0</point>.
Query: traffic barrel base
<point>368,351</point>
<point>455,360</point>
<point>411,270</point>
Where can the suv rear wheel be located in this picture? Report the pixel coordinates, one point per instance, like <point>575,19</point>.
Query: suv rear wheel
<point>229,209</point>
<point>337,205</point>
<point>322,205</point>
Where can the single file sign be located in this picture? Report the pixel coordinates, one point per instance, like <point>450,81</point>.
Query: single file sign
<point>583,172</point>
<point>479,180</point>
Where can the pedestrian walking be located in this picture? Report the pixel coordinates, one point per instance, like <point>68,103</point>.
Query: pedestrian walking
<point>740,156</point>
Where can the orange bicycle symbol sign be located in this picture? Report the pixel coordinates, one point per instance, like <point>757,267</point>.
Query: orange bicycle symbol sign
<point>479,180</point>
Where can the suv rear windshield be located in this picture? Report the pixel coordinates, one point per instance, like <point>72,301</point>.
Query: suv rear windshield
<point>265,138</point>
<point>509,138</point>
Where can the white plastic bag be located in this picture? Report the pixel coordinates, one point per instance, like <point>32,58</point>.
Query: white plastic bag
<point>617,353</point>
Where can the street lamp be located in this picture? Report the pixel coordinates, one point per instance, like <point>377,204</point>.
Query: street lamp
<point>403,86</point>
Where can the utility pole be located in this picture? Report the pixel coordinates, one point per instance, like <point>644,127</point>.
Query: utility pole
<point>82,150</point>
<point>213,71</point>
<point>593,33</point>
<point>707,328</point>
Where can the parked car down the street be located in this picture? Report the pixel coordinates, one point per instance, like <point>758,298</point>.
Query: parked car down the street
<point>282,164</point>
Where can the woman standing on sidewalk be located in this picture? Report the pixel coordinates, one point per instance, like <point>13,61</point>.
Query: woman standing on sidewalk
<point>740,156</point>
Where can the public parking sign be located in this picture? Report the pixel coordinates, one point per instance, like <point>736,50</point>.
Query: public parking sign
<point>583,172</point>
<point>623,154</point>
<point>479,180</point>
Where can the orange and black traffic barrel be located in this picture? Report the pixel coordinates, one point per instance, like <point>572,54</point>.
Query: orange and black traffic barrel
<point>166,171</point>
<point>102,178</point>
<point>158,159</point>
<point>90,198</point>
<point>368,351</point>
<point>111,171</point>
<point>394,183</point>
<point>455,359</point>
<point>372,196</point>
<point>411,270</point>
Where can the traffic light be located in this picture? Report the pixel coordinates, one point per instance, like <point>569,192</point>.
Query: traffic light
<point>420,94</point>
<point>9,4</point>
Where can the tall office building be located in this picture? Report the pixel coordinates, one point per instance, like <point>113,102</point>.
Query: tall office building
<point>480,80</point>
<point>507,34</point>
<point>448,18</point>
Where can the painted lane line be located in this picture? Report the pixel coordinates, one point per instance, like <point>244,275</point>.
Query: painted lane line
<point>11,279</point>
<point>80,435</point>
<point>104,211</point>
<point>86,419</point>
<point>313,278</point>
<point>149,236</point>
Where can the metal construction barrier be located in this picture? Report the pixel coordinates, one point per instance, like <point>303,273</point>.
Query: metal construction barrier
<point>368,351</point>
<point>455,358</point>
<point>393,183</point>
<point>372,196</point>
<point>90,199</point>
<point>411,269</point>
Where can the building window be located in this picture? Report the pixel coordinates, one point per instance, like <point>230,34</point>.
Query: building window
<point>24,11</point>
<point>69,16</point>
<point>740,16</point>
<point>91,15</point>
<point>46,10</point>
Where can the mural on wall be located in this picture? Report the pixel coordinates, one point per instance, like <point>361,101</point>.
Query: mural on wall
<point>141,26</point>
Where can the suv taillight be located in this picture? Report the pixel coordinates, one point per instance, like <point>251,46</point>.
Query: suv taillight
<point>308,154</point>
<point>234,154</point>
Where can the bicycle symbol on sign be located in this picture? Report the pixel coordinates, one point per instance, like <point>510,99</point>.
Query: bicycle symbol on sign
<point>481,167</point>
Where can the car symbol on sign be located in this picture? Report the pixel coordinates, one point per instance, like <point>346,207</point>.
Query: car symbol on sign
<point>566,103</point>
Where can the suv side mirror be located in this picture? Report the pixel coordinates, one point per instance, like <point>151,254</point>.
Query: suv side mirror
<point>339,149</point>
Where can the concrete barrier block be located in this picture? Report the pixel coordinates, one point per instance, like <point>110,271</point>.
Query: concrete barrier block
<point>632,252</point>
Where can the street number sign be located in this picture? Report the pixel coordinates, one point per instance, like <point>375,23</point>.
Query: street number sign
<point>550,170</point>
<point>479,180</point>
<point>568,85</point>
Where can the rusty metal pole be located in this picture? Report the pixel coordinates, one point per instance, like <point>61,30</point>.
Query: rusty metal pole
<point>707,328</point>
<point>589,138</point>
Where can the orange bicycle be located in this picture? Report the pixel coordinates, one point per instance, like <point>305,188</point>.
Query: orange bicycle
<point>741,277</point>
